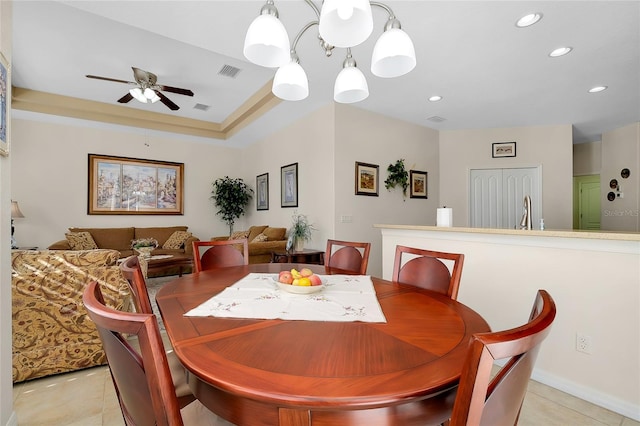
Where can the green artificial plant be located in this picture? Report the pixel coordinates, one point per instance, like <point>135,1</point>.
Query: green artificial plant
<point>397,176</point>
<point>231,196</point>
<point>301,229</point>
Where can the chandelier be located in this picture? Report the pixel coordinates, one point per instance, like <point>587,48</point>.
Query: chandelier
<point>341,23</point>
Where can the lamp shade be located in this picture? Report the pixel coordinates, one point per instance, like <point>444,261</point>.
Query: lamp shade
<point>151,95</point>
<point>345,23</point>
<point>393,54</point>
<point>267,42</point>
<point>15,210</point>
<point>350,86</point>
<point>290,82</point>
<point>137,93</point>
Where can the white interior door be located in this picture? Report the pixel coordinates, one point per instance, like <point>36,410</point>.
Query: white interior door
<point>497,197</point>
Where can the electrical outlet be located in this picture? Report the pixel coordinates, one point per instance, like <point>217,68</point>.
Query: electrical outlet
<point>346,218</point>
<point>583,343</point>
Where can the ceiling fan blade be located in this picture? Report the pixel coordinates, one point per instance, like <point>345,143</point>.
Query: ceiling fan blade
<point>177,90</point>
<point>126,98</point>
<point>109,79</point>
<point>167,101</point>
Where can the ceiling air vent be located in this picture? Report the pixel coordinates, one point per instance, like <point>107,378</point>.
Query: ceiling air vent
<point>436,119</point>
<point>229,71</point>
<point>202,107</point>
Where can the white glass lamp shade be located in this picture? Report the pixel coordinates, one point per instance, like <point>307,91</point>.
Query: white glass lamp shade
<point>393,54</point>
<point>290,82</point>
<point>137,93</point>
<point>351,86</point>
<point>345,23</point>
<point>151,95</point>
<point>267,42</point>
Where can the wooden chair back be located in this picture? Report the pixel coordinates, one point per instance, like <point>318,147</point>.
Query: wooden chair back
<point>132,272</point>
<point>347,256</point>
<point>427,270</point>
<point>142,379</point>
<point>482,400</point>
<point>220,254</point>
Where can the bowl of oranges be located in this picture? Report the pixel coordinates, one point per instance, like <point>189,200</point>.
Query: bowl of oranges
<point>303,281</point>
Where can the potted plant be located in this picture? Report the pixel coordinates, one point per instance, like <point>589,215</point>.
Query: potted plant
<point>144,246</point>
<point>300,231</point>
<point>397,176</point>
<point>231,196</point>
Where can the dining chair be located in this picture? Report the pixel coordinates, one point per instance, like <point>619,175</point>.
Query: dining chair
<point>132,271</point>
<point>141,377</point>
<point>427,270</point>
<point>483,400</point>
<point>347,256</point>
<point>220,254</point>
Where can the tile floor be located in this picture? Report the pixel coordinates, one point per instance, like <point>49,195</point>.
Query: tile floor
<point>87,398</point>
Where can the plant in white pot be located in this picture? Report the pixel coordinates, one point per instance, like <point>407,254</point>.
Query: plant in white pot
<point>301,230</point>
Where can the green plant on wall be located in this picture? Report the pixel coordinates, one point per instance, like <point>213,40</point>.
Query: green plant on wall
<point>231,196</point>
<point>398,176</point>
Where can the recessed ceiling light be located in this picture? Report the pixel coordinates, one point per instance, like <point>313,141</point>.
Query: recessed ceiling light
<point>597,89</point>
<point>560,51</point>
<point>435,98</point>
<point>528,20</point>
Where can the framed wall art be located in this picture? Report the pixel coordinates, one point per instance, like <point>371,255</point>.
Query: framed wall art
<point>367,179</point>
<point>418,184</point>
<point>289,185</point>
<point>503,149</point>
<point>262,189</point>
<point>132,186</point>
<point>5,105</point>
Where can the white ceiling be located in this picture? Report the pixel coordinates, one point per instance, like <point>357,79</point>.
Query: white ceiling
<point>490,73</point>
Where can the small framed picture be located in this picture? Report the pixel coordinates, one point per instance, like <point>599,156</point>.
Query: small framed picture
<point>418,185</point>
<point>289,185</point>
<point>262,189</point>
<point>503,149</point>
<point>367,179</point>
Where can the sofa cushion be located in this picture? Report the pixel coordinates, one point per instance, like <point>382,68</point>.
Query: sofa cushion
<point>110,238</point>
<point>275,234</point>
<point>160,233</point>
<point>239,235</point>
<point>260,238</point>
<point>176,240</point>
<point>81,241</point>
<point>254,231</point>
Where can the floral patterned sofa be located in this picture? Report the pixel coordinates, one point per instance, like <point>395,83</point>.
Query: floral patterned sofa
<point>52,332</point>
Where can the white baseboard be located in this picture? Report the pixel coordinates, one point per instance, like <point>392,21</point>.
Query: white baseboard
<point>13,420</point>
<point>593,396</point>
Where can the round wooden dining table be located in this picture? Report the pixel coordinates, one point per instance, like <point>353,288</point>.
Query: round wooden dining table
<point>283,372</point>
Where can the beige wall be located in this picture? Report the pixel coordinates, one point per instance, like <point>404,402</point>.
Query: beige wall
<point>546,146</point>
<point>49,178</point>
<point>620,149</point>
<point>587,158</point>
<point>7,416</point>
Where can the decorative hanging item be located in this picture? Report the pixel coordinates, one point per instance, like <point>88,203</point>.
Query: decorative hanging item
<point>397,176</point>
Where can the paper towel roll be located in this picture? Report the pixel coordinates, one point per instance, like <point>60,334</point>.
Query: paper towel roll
<point>444,217</point>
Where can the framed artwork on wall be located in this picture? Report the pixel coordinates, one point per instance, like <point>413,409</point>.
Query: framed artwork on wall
<point>367,179</point>
<point>418,184</point>
<point>5,105</point>
<point>503,149</point>
<point>262,189</point>
<point>289,185</point>
<point>132,186</point>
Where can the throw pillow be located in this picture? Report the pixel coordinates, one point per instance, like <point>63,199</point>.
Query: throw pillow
<point>254,231</point>
<point>260,238</point>
<point>275,234</point>
<point>239,235</point>
<point>81,241</point>
<point>176,240</point>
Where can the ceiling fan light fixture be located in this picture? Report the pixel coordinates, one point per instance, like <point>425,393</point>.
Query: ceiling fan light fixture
<point>151,95</point>
<point>137,93</point>
<point>267,42</point>
<point>290,82</point>
<point>393,54</point>
<point>345,23</point>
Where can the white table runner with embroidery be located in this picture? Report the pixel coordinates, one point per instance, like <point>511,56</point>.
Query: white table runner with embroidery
<point>344,298</point>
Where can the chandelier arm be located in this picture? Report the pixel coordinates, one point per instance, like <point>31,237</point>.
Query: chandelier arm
<point>302,31</point>
<point>314,7</point>
<point>385,7</point>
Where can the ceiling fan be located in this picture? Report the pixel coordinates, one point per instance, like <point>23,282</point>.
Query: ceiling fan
<point>147,90</point>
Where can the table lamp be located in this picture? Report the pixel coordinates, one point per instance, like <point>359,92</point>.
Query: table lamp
<point>15,212</point>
